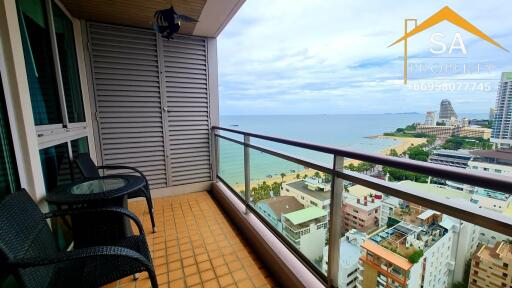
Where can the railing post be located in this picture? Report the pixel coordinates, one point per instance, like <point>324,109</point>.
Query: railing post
<point>336,224</point>
<point>247,172</point>
<point>215,155</point>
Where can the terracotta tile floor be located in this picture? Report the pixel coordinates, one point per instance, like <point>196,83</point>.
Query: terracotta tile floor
<point>195,246</point>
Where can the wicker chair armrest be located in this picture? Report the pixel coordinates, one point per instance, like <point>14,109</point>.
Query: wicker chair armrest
<point>123,167</point>
<point>110,210</point>
<point>83,254</point>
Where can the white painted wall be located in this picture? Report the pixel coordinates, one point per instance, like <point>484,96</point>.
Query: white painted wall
<point>19,106</point>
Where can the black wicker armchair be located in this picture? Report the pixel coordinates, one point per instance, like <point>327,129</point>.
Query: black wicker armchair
<point>29,251</point>
<point>90,170</point>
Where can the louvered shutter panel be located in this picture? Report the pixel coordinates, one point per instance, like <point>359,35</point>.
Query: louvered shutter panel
<point>186,90</point>
<point>128,102</point>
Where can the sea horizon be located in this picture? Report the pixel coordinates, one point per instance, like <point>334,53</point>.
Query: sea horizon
<point>345,131</point>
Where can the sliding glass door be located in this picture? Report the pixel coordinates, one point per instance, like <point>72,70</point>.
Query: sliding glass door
<point>9,181</point>
<point>48,39</point>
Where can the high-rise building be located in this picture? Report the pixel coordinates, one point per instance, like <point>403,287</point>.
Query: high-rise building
<point>430,118</point>
<point>306,229</point>
<point>309,192</point>
<point>502,127</point>
<point>408,255</point>
<point>350,249</point>
<point>361,213</point>
<point>492,266</point>
<point>446,112</point>
<point>492,114</point>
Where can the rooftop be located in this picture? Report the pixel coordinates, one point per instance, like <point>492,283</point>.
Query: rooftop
<point>350,252</point>
<point>492,194</point>
<point>352,200</point>
<point>463,153</point>
<point>386,254</point>
<point>496,154</point>
<point>438,190</point>
<point>405,238</point>
<point>282,204</point>
<point>360,191</point>
<point>300,185</point>
<point>501,250</point>
<point>305,215</point>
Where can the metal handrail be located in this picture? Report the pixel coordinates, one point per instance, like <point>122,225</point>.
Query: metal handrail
<point>452,207</point>
<point>479,179</point>
<point>469,213</point>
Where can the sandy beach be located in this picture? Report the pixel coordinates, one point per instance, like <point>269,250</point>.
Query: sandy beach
<point>402,144</point>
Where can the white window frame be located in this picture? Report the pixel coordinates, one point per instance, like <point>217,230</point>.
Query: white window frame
<point>54,134</point>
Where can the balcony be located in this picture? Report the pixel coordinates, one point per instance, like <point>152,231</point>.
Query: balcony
<point>426,221</point>
<point>196,245</point>
<point>153,104</point>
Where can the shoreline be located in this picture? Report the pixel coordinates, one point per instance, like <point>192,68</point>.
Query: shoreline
<point>402,144</point>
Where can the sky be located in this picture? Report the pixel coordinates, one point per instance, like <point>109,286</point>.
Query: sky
<point>332,57</point>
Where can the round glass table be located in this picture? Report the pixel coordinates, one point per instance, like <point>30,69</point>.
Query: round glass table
<point>108,191</point>
<point>101,190</point>
<point>98,186</point>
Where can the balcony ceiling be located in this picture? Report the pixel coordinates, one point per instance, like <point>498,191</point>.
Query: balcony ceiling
<point>134,13</point>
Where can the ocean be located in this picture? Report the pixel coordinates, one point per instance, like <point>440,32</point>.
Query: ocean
<point>341,131</point>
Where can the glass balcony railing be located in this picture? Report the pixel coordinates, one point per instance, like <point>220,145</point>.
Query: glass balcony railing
<point>397,222</point>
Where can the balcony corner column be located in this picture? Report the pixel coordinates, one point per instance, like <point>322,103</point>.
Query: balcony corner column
<point>336,223</point>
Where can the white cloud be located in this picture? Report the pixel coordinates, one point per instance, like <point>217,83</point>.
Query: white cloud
<point>298,56</point>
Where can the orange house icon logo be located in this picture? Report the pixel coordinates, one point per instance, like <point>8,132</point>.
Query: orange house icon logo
<point>445,14</point>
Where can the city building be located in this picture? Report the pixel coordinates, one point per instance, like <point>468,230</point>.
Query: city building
<point>361,213</point>
<point>309,192</point>
<point>492,266</point>
<point>350,250</point>
<point>474,131</point>
<point>490,199</point>
<point>492,113</point>
<point>407,255</point>
<point>465,240</point>
<point>273,209</point>
<point>454,130</point>
<point>446,112</point>
<point>438,131</point>
<point>466,235</point>
<point>430,118</point>
<point>388,207</point>
<point>495,162</point>
<point>459,158</point>
<point>479,122</point>
<point>307,231</point>
<point>502,126</point>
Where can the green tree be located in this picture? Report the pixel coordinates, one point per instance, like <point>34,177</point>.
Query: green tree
<point>261,192</point>
<point>418,153</point>
<point>327,177</point>
<point>276,189</point>
<point>360,167</point>
<point>317,174</point>
<point>401,175</point>
<point>297,176</point>
<point>393,153</point>
<point>415,256</point>
<point>282,177</point>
